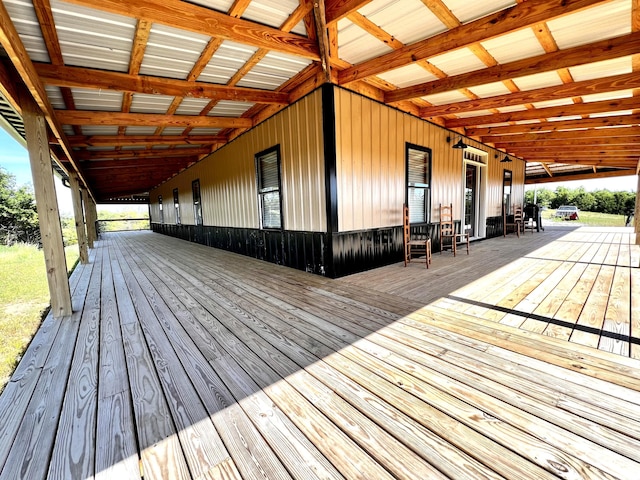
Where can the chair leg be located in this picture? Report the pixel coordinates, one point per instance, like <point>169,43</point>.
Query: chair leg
<point>428,252</point>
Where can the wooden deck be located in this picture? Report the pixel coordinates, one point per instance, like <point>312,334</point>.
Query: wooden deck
<point>182,361</point>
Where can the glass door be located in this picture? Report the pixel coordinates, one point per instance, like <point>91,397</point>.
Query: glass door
<point>471,192</point>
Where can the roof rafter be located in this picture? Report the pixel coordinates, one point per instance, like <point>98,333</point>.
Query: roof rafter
<point>84,117</point>
<point>78,77</point>
<point>623,81</point>
<point>124,140</point>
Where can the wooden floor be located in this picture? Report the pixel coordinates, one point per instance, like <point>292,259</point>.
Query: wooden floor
<point>182,361</point>
<point>577,284</point>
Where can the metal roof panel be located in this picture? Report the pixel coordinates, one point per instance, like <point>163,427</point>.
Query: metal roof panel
<point>458,61</point>
<point>502,48</point>
<point>406,20</point>
<point>24,18</point>
<point>355,45</point>
<point>446,97</point>
<point>467,11</point>
<point>172,52</point>
<point>225,108</point>
<point>192,106</point>
<point>538,80</point>
<point>143,103</point>
<point>407,76</point>
<point>606,68</point>
<point>227,60</point>
<point>611,19</point>
<point>490,89</point>
<point>102,100</point>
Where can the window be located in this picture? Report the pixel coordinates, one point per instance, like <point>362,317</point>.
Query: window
<point>268,170</point>
<point>176,204</point>
<point>506,192</point>
<point>161,212</point>
<point>418,183</point>
<point>197,201</point>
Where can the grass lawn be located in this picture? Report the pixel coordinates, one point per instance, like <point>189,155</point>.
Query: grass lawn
<point>24,297</point>
<point>587,218</point>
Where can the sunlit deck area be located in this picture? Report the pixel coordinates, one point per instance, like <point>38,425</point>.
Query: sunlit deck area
<point>183,361</point>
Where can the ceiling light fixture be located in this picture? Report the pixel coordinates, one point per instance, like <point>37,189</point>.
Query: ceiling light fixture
<point>460,145</point>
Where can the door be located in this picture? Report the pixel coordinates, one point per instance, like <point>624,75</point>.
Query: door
<point>471,199</point>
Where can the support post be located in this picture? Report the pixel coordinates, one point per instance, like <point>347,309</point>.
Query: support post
<point>81,231</point>
<point>92,217</point>
<point>47,205</point>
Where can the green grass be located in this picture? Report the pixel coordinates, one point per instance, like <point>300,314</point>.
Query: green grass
<point>587,218</point>
<point>24,298</point>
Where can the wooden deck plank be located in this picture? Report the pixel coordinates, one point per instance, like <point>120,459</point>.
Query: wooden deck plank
<point>618,314</point>
<point>74,453</point>
<point>118,458</point>
<point>635,313</point>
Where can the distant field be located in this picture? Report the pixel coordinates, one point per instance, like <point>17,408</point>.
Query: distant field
<point>587,218</point>
<point>24,296</point>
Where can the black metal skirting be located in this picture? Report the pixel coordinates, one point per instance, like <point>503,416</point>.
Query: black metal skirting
<point>349,252</point>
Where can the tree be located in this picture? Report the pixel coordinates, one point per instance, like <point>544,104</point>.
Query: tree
<point>18,215</point>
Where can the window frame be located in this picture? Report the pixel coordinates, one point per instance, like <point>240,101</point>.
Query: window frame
<point>263,191</point>
<point>426,187</point>
<point>197,202</point>
<point>176,205</point>
<point>160,209</point>
<point>507,177</point>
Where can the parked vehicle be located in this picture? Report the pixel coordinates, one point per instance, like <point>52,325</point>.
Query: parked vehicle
<point>568,212</point>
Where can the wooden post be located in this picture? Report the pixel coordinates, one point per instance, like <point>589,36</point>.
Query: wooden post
<point>47,205</point>
<point>92,217</point>
<point>79,217</point>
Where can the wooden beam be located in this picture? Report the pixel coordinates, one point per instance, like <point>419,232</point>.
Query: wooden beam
<point>577,141</point>
<point>597,122</point>
<point>92,218</point>
<point>132,140</point>
<point>547,169</point>
<point>78,77</point>
<point>78,213</point>
<point>577,89</point>
<point>546,113</point>
<point>603,133</point>
<point>12,44</point>
<point>580,176</point>
<point>338,9</point>
<point>102,164</point>
<point>620,162</point>
<point>85,117</point>
<point>47,205</point>
<point>153,153</point>
<point>517,17</point>
<point>636,215</point>
<point>594,52</point>
<point>206,21</point>
<point>323,37</point>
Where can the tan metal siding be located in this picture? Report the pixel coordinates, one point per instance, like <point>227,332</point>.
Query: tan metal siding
<point>371,140</point>
<point>228,176</point>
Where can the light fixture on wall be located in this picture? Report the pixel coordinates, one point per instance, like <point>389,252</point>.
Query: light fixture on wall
<point>506,159</point>
<point>459,144</point>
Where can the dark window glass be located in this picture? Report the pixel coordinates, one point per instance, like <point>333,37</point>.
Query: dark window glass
<point>268,169</point>
<point>418,183</point>
<point>197,201</point>
<point>176,204</point>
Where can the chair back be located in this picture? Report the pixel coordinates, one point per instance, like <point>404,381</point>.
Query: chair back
<point>447,227</point>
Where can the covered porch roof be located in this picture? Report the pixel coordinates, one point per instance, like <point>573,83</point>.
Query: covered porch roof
<point>136,90</point>
<point>182,361</point>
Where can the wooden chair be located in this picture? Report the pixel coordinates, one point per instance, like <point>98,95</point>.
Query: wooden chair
<point>414,247</point>
<point>448,231</point>
<point>516,224</point>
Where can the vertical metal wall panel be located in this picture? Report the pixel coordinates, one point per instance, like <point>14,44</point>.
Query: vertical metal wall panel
<point>228,177</point>
<point>371,141</point>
